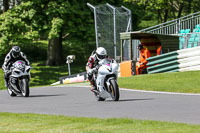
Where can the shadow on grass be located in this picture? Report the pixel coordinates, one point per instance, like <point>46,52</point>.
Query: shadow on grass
<point>46,75</point>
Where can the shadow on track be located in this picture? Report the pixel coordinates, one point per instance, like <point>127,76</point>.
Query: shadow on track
<point>128,100</point>
<point>47,95</point>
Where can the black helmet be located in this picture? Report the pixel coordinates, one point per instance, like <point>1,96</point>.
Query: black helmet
<point>15,51</point>
<point>140,47</point>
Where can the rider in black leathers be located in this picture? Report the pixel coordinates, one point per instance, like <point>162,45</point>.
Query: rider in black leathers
<point>14,55</point>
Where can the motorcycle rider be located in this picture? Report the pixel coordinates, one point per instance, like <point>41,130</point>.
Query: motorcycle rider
<point>14,55</point>
<point>92,64</point>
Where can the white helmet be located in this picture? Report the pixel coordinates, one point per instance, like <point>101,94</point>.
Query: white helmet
<point>101,53</point>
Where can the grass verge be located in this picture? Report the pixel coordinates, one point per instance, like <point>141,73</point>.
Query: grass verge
<point>35,123</point>
<point>186,82</point>
<point>46,75</point>
<point>2,80</point>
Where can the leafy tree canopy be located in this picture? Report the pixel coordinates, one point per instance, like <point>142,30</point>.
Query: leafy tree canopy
<point>168,9</point>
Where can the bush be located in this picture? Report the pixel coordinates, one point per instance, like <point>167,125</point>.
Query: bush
<point>81,50</point>
<point>36,51</point>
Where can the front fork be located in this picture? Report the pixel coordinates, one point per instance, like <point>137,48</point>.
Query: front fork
<point>105,85</point>
<point>108,83</point>
<point>16,83</point>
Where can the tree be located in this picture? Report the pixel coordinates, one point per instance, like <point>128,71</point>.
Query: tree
<point>55,20</point>
<point>55,23</point>
<point>5,5</point>
<point>16,27</point>
<point>165,9</point>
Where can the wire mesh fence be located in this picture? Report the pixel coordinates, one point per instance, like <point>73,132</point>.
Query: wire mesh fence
<point>110,21</point>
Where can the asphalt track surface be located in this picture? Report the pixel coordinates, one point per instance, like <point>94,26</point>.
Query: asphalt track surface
<point>80,102</point>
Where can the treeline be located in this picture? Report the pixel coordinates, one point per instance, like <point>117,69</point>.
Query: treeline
<point>68,25</point>
<point>159,11</point>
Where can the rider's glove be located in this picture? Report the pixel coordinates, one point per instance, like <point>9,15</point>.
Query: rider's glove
<point>95,69</point>
<point>90,71</point>
<point>7,72</point>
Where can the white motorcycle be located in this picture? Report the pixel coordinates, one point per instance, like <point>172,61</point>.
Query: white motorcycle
<point>106,80</point>
<point>18,83</point>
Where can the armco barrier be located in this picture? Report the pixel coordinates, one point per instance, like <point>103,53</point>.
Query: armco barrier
<point>75,78</point>
<point>180,60</point>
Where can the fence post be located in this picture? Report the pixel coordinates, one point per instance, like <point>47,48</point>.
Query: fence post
<point>177,26</point>
<point>95,23</point>
<point>114,18</point>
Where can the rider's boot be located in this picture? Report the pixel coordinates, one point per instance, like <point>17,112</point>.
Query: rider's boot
<point>6,78</point>
<point>93,87</point>
<point>6,82</point>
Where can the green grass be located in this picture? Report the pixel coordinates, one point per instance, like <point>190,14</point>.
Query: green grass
<point>46,75</point>
<point>186,82</point>
<point>2,80</point>
<point>35,123</point>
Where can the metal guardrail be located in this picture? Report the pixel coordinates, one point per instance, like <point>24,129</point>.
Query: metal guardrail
<point>74,78</point>
<point>174,26</point>
<point>180,60</point>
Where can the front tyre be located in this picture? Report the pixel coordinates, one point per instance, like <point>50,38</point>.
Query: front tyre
<point>114,90</point>
<point>25,87</point>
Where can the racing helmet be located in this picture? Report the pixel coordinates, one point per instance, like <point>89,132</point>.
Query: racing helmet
<point>101,53</point>
<point>15,51</point>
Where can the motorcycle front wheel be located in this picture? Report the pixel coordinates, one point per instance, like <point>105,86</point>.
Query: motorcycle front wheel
<point>114,90</point>
<point>25,87</point>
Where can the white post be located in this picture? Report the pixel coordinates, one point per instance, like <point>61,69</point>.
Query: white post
<point>114,17</point>
<point>70,59</point>
<point>130,18</point>
<point>129,26</point>
<point>69,68</point>
<point>95,23</point>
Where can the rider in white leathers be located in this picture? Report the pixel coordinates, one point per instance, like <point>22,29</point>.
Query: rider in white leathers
<point>92,64</point>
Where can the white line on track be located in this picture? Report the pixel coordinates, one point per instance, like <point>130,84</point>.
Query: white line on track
<point>160,92</point>
<point>124,89</point>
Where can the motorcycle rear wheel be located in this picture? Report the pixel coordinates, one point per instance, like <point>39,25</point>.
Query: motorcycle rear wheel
<point>114,90</point>
<point>25,87</point>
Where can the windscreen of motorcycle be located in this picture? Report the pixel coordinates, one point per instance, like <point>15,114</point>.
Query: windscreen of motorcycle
<point>115,67</point>
<point>105,67</point>
<point>19,65</point>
